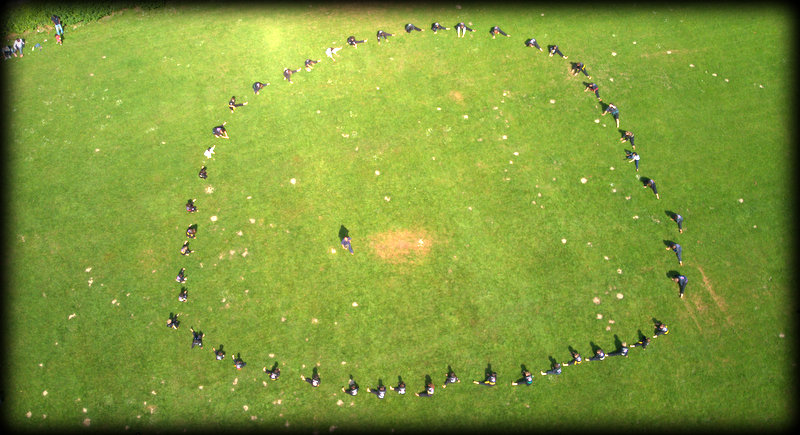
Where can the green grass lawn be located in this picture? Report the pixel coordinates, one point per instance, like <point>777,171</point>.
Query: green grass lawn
<point>480,147</point>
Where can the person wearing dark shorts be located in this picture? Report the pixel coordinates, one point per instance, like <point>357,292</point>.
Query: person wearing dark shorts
<point>219,131</point>
<point>527,379</point>
<point>219,354</point>
<point>450,378</point>
<point>612,109</point>
<point>678,220</point>
<point>313,380</point>
<point>676,248</point>
<point>257,86</point>
<point>490,380</point>
<point>556,370</point>
<point>203,173</point>
<point>594,88</point>
<point>681,280</point>
<point>352,388</point>
<point>191,232</point>
<point>238,362</point>
<point>576,359</point>
<point>190,207</point>
<point>197,338</point>
<point>274,373</point>
<point>346,243</point>
<point>633,158</point>
<point>233,105</point>
<point>181,278</point>
<point>429,390</point>
<point>436,27</point>
<point>185,249</point>
<point>183,295</point>
<point>599,355</point>
<point>652,184</point>
<point>410,27</point>
<point>622,351</point>
<point>400,388</point>
<point>553,49</point>
<point>310,64</point>
<point>380,392</point>
<point>354,42</point>
<point>384,35</point>
<point>580,67</point>
<point>287,74</point>
<point>532,43</point>
<point>642,343</point>
<point>661,329</point>
<point>173,322</point>
<point>461,30</point>
<point>495,30</point>
<point>628,136</point>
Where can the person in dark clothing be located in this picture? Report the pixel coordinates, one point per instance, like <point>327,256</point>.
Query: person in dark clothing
<point>553,49</point>
<point>352,387</point>
<point>183,296</point>
<point>380,392</point>
<point>181,278</point>
<point>233,105</point>
<point>576,359</point>
<point>612,109</point>
<point>450,377</point>
<point>652,184</point>
<point>190,207</point>
<point>532,43</point>
<point>527,378</point>
<point>594,88</point>
<point>462,29</point>
<point>384,35</point>
<point>410,27</point>
<point>401,386</point>
<point>57,23</point>
<point>352,41</point>
<point>628,136</point>
<point>429,390</point>
<point>274,373</point>
<point>661,329</point>
<point>257,86</point>
<point>622,351</point>
<point>219,354</point>
<point>643,342</point>
<point>238,362</point>
<point>191,232</point>
<point>173,322</point>
<point>310,64</point>
<point>436,27</point>
<point>677,249</point>
<point>556,370</point>
<point>495,30</point>
<point>185,248</point>
<point>220,132</point>
<point>203,173</point>
<point>287,74</point>
<point>490,380</point>
<point>681,280</point>
<point>197,338</point>
<point>314,380</point>
<point>599,355</point>
<point>580,67</point>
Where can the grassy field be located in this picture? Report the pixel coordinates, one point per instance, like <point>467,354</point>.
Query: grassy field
<point>475,146</point>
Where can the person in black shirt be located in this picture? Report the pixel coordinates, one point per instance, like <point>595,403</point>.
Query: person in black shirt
<point>173,322</point>
<point>238,362</point>
<point>219,131</point>
<point>219,354</point>
<point>191,232</point>
<point>287,74</point>
<point>490,380</point>
<point>183,295</point>
<point>257,86</point>
<point>594,88</point>
<point>197,338</point>
<point>232,104</point>
<point>181,278</point>
<point>384,35</point>
<point>553,49</point>
<point>352,387</point>
<point>556,370</point>
<point>495,30</point>
<point>628,136</point>
<point>661,329</point>
<point>354,42</point>
<point>314,380</point>
<point>380,391</point>
<point>185,248</point>
<point>409,27</point>
<point>599,355</point>
<point>274,372</point>
<point>310,64</point>
<point>436,27</point>
<point>429,390</point>
<point>580,67</point>
<point>190,207</point>
<point>576,359</point>
<point>401,386</point>
<point>527,378</point>
<point>461,30</point>
<point>450,378</point>
<point>203,174</point>
<point>642,343</point>
<point>623,350</point>
<point>532,43</point>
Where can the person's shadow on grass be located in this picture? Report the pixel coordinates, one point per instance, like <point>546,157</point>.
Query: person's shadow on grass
<point>343,232</point>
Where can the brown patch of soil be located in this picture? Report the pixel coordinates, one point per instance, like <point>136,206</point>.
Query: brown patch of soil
<point>455,95</point>
<point>401,246</point>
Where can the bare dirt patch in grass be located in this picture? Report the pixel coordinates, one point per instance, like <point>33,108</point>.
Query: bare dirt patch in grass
<point>401,246</point>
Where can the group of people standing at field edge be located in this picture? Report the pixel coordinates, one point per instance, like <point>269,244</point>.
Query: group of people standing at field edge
<point>490,378</point>
<point>17,47</point>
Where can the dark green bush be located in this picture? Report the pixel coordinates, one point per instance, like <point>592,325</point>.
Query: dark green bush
<point>26,17</point>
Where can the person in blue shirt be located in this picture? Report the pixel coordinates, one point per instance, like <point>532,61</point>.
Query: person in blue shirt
<point>678,250</point>
<point>532,43</point>
<point>681,280</point>
<point>678,220</point>
<point>410,27</point>
<point>346,244</point>
<point>612,109</point>
<point>462,29</point>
